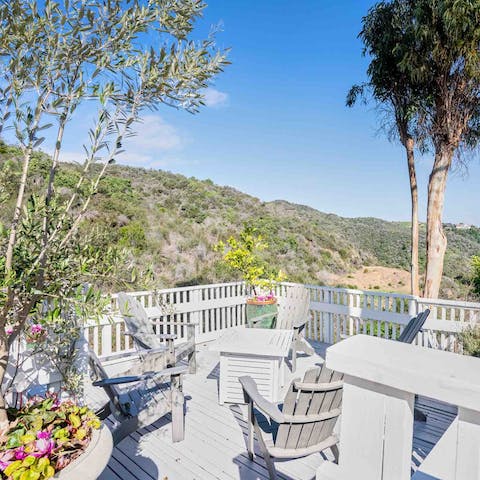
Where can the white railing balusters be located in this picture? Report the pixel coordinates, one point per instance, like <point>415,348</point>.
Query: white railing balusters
<point>335,313</point>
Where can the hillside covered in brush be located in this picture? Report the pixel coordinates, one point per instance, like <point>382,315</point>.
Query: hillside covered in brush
<point>169,224</point>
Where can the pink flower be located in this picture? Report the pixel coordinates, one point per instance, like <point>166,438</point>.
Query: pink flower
<point>36,328</point>
<point>6,458</point>
<point>43,434</point>
<point>8,330</point>
<point>20,453</point>
<point>44,447</point>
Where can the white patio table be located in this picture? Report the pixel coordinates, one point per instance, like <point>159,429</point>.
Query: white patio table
<point>258,352</point>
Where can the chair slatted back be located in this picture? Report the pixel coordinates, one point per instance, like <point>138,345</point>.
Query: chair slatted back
<point>413,328</point>
<point>133,405</point>
<point>293,308</point>
<point>136,320</point>
<point>97,372</point>
<point>307,402</point>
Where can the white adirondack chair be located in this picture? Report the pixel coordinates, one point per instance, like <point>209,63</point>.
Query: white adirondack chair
<point>141,329</point>
<point>305,423</point>
<point>137,400</point>
<point>293,313</point>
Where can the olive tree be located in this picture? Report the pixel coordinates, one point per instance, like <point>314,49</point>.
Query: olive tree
<point>120,56</point>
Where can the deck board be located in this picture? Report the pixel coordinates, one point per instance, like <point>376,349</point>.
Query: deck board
<point>215,436</point>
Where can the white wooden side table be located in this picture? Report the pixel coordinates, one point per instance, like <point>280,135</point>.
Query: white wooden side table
<point>257,352</point>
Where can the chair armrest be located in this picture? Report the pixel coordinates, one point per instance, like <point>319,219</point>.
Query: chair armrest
<point>162,336</point>
<point>135,353</point>
<point>167,372</point>
<point>250,390</point>
<point>300,324</point>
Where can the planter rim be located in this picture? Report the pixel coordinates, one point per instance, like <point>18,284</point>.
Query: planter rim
<point>254,301</point>
<point>101,442</point>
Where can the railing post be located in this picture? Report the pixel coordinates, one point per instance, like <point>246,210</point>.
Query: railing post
<point>413,307</point>
<point>330,321</point>
<point>195,316</point>
<point>106,339</point>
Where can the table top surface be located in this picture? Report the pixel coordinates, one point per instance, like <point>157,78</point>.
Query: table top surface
<point>255,341</point>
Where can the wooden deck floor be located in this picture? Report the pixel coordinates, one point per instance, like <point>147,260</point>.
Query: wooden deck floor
<point>214,445</point>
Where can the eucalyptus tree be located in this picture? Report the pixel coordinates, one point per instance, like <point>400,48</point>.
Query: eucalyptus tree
<point>120,56</point>
<point>445,61</point>
<point>385,42</point>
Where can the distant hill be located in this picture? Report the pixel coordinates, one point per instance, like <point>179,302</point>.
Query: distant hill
<point>171,222</point>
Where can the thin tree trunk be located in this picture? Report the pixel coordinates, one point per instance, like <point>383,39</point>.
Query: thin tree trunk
<point>18,210</point>
<point>27,154</point>
<point>414,274</point>
<point>436,239</point>
<point>3,368</point>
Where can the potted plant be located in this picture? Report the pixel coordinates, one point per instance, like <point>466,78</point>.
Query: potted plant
<point>244,255</point>
<point>51,439</point>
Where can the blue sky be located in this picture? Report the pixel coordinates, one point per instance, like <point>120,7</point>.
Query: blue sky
<point>276,125</point>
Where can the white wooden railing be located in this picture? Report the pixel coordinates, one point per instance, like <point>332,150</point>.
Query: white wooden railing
<point>335,314</point>
<point>376,430</point>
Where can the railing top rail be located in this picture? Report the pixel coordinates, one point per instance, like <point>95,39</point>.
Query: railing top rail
<point>181,289</point>
<point>362,292</point>
<point>449,303</point>
<point>340,290</point>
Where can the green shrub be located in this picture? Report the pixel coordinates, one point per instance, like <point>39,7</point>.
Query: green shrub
<point>476,274</point>
<point>133,236</point>
<point>470,340</point>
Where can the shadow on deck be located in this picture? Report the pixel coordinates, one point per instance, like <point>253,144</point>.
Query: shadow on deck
<point>215,436</point>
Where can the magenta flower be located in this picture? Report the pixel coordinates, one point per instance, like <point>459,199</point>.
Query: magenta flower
<point>36,328</point>
<point>44,447</point>
<point>8,330</point>
<point>44,434</point>
<point>20,453</point>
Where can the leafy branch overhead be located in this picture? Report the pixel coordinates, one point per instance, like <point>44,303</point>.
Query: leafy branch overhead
<point>123,57</point>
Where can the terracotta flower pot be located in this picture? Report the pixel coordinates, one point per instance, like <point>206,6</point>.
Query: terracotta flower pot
<point>91,463</point>
<point>261,313</point>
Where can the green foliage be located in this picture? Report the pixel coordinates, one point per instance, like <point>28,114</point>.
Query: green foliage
<point>476,274</point>
<point>470,341</point>
<point>44,437</point>
<point>116,187</point>
<point>133,236</point>
<point>303,242</point>
<point>124,58</point>
<point>242,255</point>
<point>387,39</point>
<point>194,212</point>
